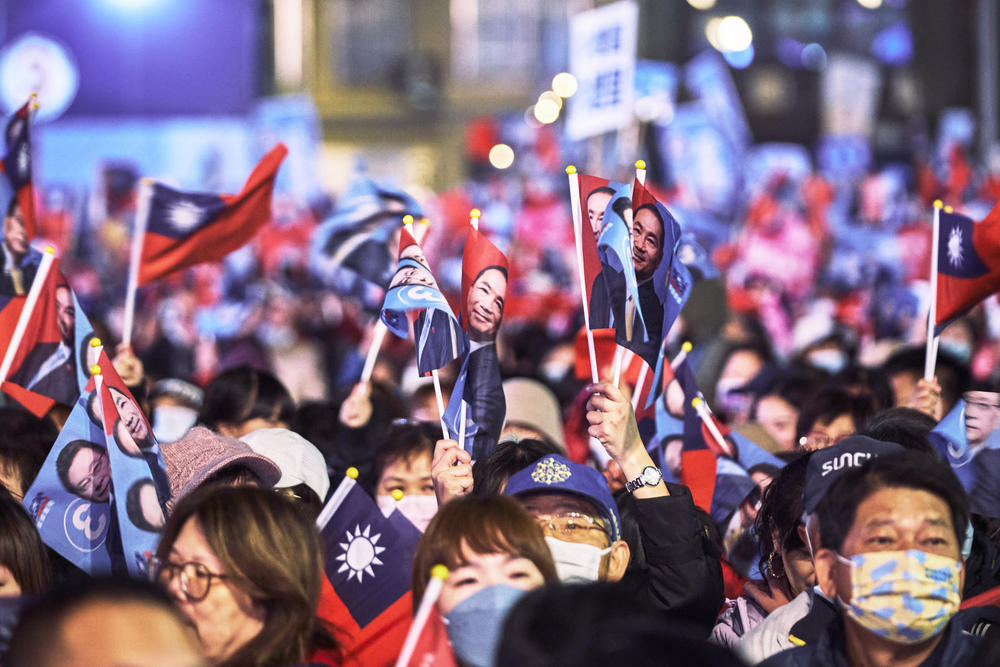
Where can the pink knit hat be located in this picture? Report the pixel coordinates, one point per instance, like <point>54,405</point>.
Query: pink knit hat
<point>202,453</point>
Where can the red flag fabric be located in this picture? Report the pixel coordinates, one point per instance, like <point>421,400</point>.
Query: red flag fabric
<point>478,255</point>
<point>184,229</point>
<point>968,263</point>
<point>433,647</point>
<point>16,164</point>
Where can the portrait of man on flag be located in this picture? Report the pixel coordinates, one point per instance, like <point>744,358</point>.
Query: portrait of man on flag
<point>18,262</point>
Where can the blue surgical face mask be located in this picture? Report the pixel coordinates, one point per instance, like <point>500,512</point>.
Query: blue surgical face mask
<point>959,348</point>
<point>172,422</point>
<point>475,623</point>
<point>830,360</point>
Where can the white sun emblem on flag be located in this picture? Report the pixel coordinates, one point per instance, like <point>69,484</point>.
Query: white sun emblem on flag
<point>360,552</point>
<point>185,216</point>
<point>955,246</point>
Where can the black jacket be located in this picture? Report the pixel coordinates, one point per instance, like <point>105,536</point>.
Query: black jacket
<point>675,568</point>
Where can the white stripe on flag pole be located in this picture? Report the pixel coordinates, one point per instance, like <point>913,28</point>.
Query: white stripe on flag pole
<point>930,358</point>
<point>336,500</point>
<point>577,214</point>
<point>427,602</point>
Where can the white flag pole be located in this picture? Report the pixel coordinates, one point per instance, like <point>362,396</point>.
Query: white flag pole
<point>930,358</point>
<point>29,307</point>
<point>640,171</point>
<point>440,402</point>
<point>438,574</point>
<point>577,213</point>
<point>706,418</point>
<point>138,236</point>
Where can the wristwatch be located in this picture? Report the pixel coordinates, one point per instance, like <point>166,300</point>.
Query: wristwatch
<point>650,476</point>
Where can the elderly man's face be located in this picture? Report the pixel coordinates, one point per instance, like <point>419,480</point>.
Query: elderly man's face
<point>485,304</point>
<point>15,234</point>
<point>596,203</point>
<point>89,474</point>
<point>65,314</point>
<point>647,243</point>
<point>982,409</point>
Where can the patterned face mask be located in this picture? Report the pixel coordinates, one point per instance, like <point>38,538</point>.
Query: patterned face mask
<point>904,596</point>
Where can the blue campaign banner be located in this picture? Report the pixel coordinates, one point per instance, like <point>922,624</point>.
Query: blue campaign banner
<point>70,500</point>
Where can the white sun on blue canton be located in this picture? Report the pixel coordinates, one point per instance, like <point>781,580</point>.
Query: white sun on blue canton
<point>360,552</point>
<point>185,216</point>
<point>955,246</point>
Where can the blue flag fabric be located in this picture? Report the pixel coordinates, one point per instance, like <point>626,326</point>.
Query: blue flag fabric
<point>357,235</point>
<point>950,439</point>
<point>70,499</point>
<point>439,336</point>
<point>367,555</point>
<point>614,246</point>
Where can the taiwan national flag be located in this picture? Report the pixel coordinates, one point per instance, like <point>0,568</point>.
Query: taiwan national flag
<point>366,591</point>
<point>16,164</point>
<point>479,385</point>
<point>183,228</point>
<point>439,336</point>
<point>968,263</point>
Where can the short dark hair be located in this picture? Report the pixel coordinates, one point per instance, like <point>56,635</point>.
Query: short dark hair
<point>243,393</point>
<point>21,548</point>
<point>604,189</point>
<point>493,267</point>
<point>133,505</point>
<point>827,404</point>
<point>838,509</point>
<point>404,442</point>
<point>66,456</point>
<point>490,476</point>
<point>11,205</point>
<point>905,426</point>
<point>36,639</point>
<point>656,212</point>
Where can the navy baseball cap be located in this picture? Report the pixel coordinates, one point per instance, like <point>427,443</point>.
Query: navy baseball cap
<point>827,465</point>
<point>557,474</point>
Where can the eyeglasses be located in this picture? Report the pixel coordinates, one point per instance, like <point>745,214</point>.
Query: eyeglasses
<point>573,526</point>
<point>195,578</point>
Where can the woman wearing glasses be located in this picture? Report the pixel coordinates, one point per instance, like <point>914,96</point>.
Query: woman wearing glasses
<point>244,565</point>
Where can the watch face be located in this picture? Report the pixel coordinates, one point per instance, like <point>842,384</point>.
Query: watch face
<point>650,476</point>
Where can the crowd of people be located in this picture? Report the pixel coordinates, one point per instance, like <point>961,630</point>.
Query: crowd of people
<point>574,530</point>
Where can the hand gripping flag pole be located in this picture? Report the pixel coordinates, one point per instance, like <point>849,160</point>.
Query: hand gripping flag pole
<point>930,359</point>
<point>29,306</point>
<point>577,212</point>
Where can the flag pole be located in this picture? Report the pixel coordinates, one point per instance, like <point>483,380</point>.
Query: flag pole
<point>438,574</point>
<point>682,355</point>
<point>640,172</point>
<point>474,215</point>
<point>440,402</point>
<point>138,237</point>
<point>706,418</point>
<point>640,381</point>
<point>930,358</point>
<point>29,306</point>
<point>574,200</point>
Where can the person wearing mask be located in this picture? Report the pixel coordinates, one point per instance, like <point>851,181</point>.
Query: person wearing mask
<point>402,472</point>
<point>890,556</point>
<point>495,552</point>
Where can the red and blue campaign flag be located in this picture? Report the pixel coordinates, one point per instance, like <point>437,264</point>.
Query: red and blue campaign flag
<point>49,365</point>
<point>16,164</point>
<point>184,228</point>
<point>479,385</point>
<point>358,234</point>
<point>368,566</point>
<point>439,336</point>
<point>595,195</point>
<point>968,263</point>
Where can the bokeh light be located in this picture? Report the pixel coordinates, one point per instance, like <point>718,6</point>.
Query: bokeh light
<point>553,97</point>
<point>870,4</point>
<point>564,84</point>
<point>702,4</point>
<point>501,156</point>
<point>546,111</point>
<point>734,34</point>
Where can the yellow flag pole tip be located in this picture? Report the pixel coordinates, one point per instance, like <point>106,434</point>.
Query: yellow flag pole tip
<point>95,370</point>
<point>95,342</point>
<point>49,250</point>
<point>640,164</point>
<point>475,213</point>
<point>695,402</point>
<point>686,347</point>
<point>439,572</point>
<point>571,170</point>
<point>352,472</point>
<point>948,209</point>
<point>407,219</point>
<point>938,203</point>
<point>397,494</point>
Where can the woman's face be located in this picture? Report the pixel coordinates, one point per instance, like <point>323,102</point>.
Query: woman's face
<point>9,587</point>
<point>481,570</point>
<point>411,476</point>
<point>798,567</point>
<point>227,617</point>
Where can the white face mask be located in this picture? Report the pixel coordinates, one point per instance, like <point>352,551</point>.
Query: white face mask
<point>830,360</point>
<point>172,422</point>
<point>419,509</point>
<point>574,561</point>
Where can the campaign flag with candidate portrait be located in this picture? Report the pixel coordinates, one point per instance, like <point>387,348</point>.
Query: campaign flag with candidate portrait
<point>16,163</point>
<point>138,473</point>
<point>358,234</point>
<point>438,333</point>
<point>968,438</point>
<point>366,590</point>
<point>71,499</point>
<point>49,364</point>
<point>182,229</point>
<point>968,263</point>
<point>595,195</point>
<point>479,385</point>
